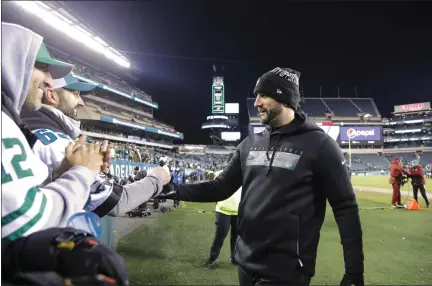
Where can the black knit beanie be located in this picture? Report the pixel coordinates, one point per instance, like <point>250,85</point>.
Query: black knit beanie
<point>282,84</point>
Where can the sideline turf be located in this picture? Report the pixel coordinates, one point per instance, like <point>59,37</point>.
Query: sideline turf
<point>171,249</point>
<point>382,182</point>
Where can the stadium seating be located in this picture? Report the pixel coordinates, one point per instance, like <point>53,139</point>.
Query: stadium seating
<point>122,112</point>
<point>422,115</point>
<point>341,107</point>
<point>313,107</point>
<point>358,167</point>
<point>346,107</point>
<point>366,105</point>
<point>108,98</point>
<point>318,107</point>
<point>375,161</point>
<point>425,158</point>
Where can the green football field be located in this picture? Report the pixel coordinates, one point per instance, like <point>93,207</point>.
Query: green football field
<point>382,182</point>
<point>170,249</point>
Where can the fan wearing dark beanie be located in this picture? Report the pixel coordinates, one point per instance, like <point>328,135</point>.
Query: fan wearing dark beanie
<point>287,172</point>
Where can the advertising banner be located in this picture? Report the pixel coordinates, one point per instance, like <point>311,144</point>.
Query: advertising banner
<point>122,168</point>
<point>412,107</point>
<point>361,133</point>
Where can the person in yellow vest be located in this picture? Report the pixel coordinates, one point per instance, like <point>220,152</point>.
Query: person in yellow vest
<point>226,216</point>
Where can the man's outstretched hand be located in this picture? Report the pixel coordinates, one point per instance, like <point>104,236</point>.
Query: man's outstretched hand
<point>168,192</point>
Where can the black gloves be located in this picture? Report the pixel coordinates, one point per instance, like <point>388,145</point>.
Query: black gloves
<point>352,280</point>
<point>168,192</point>
<point>69,253</point>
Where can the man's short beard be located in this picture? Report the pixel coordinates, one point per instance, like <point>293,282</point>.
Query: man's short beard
<point>272,116</point>
<point>70,113</point>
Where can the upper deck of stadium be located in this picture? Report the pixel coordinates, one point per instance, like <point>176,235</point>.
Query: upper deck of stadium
<point>337,108</point>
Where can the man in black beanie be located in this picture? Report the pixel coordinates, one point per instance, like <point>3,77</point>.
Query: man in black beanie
<point>287,172</point>
<point>282,85</point>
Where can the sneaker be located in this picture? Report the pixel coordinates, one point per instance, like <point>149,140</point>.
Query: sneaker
<point>209,263</point>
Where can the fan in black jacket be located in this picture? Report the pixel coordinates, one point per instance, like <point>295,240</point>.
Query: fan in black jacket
<point>287,173</point>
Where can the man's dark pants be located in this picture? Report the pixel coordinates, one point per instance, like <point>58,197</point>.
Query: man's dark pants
<point>422,189</point>
<point>297,279</point>
<point>223,224</point>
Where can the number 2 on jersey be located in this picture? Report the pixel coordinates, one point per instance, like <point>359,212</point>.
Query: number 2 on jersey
<point>16,161</point>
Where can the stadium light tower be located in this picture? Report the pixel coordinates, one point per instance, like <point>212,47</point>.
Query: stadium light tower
<point>223,122</point>
<point>72,28</point>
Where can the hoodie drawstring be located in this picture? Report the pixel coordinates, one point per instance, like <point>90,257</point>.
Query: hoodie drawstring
<point>273,153</point>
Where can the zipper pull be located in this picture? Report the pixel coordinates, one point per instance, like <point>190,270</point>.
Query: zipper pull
<point>301,264</point>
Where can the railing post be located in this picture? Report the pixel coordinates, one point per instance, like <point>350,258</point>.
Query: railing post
<point>108,235</point>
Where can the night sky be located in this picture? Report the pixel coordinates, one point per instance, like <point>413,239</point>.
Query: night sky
<point>383,48</point>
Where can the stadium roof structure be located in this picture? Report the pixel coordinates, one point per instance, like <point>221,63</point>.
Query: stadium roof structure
<point>58,16</point>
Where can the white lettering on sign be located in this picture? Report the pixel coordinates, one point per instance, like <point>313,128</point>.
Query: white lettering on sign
<point>352,133</point>
<point>412,107</point>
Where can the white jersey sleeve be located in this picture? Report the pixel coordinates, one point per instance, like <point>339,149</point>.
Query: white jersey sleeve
<point>27,208</point>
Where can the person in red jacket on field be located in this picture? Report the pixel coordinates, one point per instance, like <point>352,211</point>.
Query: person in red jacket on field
<point>418,181</point>
<point>396,176</point>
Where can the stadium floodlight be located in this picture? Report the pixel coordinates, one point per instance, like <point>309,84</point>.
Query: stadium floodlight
<point>214,126</point>
<point>408,131</point>
<point>74,30</point>
<point>211,117</point>
<point>101,41</point>
<point>85,79</point>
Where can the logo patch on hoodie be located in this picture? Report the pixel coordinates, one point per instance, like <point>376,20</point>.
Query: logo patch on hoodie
<point>283,160</point>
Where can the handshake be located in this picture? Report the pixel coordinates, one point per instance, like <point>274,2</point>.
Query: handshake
<point>169,191</point>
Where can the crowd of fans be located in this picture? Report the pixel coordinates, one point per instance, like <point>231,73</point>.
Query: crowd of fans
<point>148,155</point>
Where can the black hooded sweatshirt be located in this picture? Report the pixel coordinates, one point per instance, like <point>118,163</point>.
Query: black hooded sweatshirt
<point>287,174</point>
